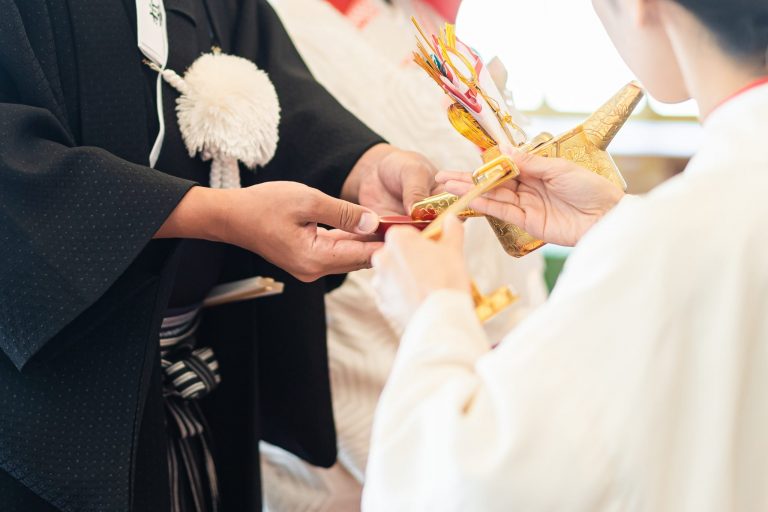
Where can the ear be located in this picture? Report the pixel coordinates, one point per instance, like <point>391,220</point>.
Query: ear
<point>646,13</point>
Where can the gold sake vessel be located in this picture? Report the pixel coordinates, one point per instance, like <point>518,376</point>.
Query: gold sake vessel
<point>586,145</point>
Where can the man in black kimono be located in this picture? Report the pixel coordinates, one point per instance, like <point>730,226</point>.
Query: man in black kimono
<point>84,287</point>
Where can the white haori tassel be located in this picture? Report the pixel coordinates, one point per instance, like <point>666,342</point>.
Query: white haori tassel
<point>228,111</point>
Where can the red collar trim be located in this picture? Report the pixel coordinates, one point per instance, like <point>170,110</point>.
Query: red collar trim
<point>752,85</point>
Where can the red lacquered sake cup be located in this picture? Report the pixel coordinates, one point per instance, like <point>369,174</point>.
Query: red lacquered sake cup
<point>389,221</point>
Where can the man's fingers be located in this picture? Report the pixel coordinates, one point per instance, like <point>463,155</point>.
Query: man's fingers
<point>338,234</point>
<point>331,255</point>
<point>439,188</point>
<point>350,217</point>
<point>417,184</point>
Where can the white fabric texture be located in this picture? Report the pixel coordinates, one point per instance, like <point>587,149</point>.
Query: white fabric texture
<point>369,72</point>
<point>639,386</point>
<point>228,111</point>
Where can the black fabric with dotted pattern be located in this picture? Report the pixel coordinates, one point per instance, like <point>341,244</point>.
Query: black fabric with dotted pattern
<point>79,278</point>
<point>82,288</point>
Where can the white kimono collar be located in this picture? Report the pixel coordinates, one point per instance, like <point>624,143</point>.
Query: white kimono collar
<point>737,132</point>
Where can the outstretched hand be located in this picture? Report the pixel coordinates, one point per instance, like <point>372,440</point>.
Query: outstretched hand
<point>389,180</point>
<point>279,221</point>
<point>553,199</point>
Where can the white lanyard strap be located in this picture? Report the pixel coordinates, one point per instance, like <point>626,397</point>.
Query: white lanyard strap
<point>152,35</point>
<point>158,145</point>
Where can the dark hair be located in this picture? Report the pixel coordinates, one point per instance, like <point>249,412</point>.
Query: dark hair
<point>741,26</point>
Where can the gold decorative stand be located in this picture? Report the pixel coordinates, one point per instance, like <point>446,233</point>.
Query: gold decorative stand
<point>586,145</point>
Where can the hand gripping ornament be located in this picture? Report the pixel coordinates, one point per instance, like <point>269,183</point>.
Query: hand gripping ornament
<point>478,114</point>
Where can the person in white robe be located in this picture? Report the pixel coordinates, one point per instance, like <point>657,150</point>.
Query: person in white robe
<point>642,383</point>
<point>366,65</point>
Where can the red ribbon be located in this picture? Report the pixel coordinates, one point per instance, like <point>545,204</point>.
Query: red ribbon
<point>447,9</point>
<point>757,83</point>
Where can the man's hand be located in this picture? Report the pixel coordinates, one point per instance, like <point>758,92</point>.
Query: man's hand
<point>410,267</point>
<point>388,180</point>
<point>552,199</point>
<point>279,221</point>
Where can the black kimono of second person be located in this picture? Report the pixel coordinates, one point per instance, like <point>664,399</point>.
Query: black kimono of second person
<point>83,286</point>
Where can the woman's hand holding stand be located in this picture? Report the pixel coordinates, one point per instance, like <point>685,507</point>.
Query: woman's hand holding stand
<point>552,199</point>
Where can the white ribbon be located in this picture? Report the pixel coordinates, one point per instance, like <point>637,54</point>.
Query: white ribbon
<point>152,35</point>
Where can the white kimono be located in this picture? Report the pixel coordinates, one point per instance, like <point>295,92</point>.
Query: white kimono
<point>642,384</point>
<point>370,72</point>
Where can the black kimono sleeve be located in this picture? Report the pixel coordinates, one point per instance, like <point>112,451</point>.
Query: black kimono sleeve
<point>72,219</point>
<point>320,141</point>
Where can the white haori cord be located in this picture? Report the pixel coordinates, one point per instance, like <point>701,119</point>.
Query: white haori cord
<point>228,112</point>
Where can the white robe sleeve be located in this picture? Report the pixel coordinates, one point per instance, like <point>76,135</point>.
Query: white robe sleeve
<point>591,402</point>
